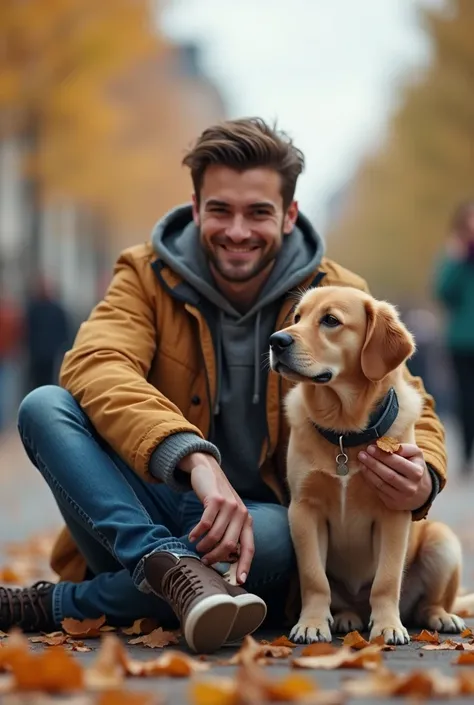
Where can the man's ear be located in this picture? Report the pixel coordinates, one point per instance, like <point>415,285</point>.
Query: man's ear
<point>290,217</point>
<point>196,218</point>
<point>387,342</point>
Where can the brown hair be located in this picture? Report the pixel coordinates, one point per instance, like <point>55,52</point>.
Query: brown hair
<point>242,144</point>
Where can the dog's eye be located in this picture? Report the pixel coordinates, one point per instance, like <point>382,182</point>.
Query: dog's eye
<point>330,321</point>
<point>297,318</point>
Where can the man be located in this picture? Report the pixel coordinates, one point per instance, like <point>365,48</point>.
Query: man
<point>165,382</point>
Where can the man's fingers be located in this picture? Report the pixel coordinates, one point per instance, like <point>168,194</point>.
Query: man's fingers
<point>408,450</point>
<point>215,533</point>
<point>247,550</point>
<point>382,474</point>
<point>409,469</point>
<point>207,520</point>
<point>228,544</point>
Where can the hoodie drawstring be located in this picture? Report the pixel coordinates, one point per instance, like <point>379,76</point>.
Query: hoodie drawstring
<point>256,361</point>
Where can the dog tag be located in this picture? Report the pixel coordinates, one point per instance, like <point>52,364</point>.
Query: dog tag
<point>342,469</point>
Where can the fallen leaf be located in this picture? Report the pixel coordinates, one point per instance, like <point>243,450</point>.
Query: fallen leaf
<point>319,648</point>
<point>219,691</point>
<point>107,671</point>
<point>290,688</point>
<point>108,628</point>
<point>369,658</point>
<point>8,575</point>
<point>172,663</point>
<point>78,646</point>
<point>144,625</point>
<point>156,639</point>
<point>466,682</point>
<point>53,671</point>
<point>421,684</point>
<point>355,641</point>
<point>53,639</point>
<point>464,659</point>
<point>467,633</point>
<point>447,645</point>
<point>127,697</point>
<point>88,628</point>
<point>252,650</point>
<point>280,641</point>
<point>429,637</point>
<point>388,444</point>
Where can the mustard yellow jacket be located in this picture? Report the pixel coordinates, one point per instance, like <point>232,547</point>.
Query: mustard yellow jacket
<point>144,354</point>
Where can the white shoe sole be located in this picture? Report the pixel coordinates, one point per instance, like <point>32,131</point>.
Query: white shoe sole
<point>252,610</point>
<point>209,623</point>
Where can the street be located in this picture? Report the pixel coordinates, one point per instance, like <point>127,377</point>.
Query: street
<point>29,511</point>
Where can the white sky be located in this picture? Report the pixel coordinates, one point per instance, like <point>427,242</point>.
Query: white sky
<point>327,70</point>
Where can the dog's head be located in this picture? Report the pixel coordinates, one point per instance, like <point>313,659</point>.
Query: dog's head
<point>338,333</point>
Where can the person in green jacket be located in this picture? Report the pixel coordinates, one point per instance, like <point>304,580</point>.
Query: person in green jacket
<point>454,287</point>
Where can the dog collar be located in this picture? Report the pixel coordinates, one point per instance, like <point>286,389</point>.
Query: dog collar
<point>380,421</point>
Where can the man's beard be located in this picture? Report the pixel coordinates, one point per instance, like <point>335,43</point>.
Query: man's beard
<point>269,257</point>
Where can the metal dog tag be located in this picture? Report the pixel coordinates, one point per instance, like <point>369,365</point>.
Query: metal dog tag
<point>341,466</point>
<point>341,461</point>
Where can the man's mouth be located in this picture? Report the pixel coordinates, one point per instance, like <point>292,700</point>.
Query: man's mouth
<point>239,250</point>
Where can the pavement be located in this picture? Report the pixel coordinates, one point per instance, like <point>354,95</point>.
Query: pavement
<point>28,516</point>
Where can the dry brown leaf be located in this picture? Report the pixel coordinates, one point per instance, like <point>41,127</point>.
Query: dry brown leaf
<point>9,575</point>
<point>369,658</point>
<point>88,628</point>
<point>144,625</point>
<point>252,650</point>
<point>156,639</point>
<point>79,646</point>
<point>52,671</point>
<point>53,639</point>
<point>219,691</point>
<point>127,697</point>
<point>421,684</point>
<point>280,641</point>
<point>319,648</point>
<point>174,664</point>
<point>290,688</point>
<point>429,637</point>
<point>107,671</point>
<point>464,659</point>
<point>388,444</point>
<point>355,641</point>
<point>108,628</point>
<point>466,682</point>
<point>446,645</point>
<point>467,633</point>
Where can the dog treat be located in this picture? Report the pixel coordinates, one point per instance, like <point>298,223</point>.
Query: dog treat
<point>388,444</point>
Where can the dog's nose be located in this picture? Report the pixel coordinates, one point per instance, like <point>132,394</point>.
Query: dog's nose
<point>280,341</point>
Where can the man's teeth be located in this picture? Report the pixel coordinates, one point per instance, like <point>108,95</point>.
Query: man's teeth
<point>238,249</point>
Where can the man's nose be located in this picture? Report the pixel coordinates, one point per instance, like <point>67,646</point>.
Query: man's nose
<point>281,341</point>
<point>237,230</point>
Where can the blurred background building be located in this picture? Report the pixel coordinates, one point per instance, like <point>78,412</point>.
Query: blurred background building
<point>98,102</point>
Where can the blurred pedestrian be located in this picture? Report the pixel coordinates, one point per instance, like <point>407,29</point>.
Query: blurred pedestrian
<point>10,343</point>
<point>47,334</point>
<point>454,286</point>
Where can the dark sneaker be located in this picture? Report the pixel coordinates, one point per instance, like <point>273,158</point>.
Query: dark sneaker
<point>197,595</point>
<point>30,609</point>
<point>252,612</point>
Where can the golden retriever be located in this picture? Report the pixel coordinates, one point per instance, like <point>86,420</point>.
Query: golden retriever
<point>359,562</point>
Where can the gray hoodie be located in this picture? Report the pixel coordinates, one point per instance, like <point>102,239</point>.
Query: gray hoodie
<point>238,426</point>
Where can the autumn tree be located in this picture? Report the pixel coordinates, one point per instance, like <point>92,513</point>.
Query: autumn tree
<point>394,215</point>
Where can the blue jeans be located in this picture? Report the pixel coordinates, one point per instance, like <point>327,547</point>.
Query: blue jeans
<point>116,518</point>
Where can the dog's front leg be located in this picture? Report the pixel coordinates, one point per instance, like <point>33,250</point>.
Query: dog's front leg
<point>390,546</point>
<point>310,539</point>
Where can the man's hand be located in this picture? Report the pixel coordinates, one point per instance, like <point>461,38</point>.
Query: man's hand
<point>225,520</point>
<point>401,479</point>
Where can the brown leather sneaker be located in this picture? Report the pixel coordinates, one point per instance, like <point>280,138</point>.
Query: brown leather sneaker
<point>252,612</point>
<point>198,596</point>
<point>31,608</point>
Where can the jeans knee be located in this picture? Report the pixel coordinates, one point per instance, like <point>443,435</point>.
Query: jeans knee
<point>40,408</point>
<point>273,544</point>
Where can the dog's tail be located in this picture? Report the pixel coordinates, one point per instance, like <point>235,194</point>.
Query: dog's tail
<point>464,605</point>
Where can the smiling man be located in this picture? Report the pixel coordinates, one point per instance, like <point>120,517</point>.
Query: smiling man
<point>165,445</point>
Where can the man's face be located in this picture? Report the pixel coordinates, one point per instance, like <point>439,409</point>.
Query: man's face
<point>241,220</point>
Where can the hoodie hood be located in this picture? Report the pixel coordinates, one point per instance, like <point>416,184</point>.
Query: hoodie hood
<point>176,241</point>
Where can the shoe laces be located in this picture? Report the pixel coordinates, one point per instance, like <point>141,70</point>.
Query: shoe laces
<point>25,606</point>
<point>181,585</point>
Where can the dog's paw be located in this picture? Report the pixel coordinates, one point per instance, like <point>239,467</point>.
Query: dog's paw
<point>394,633</point>
<point>311,632</point>
<point>441,621</point>
<point>347,621</point>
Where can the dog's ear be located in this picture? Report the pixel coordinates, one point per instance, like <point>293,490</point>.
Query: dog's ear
<point>387,342</point>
